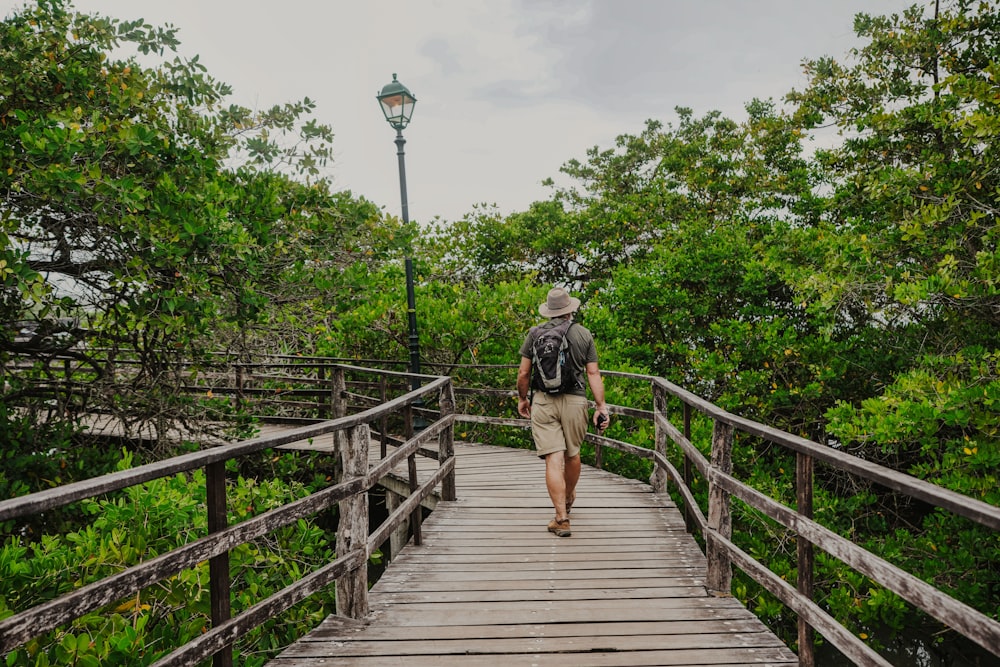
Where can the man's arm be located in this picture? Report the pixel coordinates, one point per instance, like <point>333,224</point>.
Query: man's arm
<point>596,383</point>
<point>523,385</point>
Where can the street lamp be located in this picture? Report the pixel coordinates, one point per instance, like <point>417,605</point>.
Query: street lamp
<point>397,104</point>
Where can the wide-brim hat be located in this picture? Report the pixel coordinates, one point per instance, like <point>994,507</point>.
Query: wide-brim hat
<point>558,303</point>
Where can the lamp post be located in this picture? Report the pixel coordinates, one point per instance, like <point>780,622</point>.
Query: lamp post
<point>397,104</point>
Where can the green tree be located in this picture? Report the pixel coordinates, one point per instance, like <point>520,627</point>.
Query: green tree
<point>905,261</point>
<point>129,242</point>
<point>910,240</point>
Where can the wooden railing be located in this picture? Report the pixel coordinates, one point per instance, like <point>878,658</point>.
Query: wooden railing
<point>723,487</point>
<point>670,441</point>
<point>354,543</point>
<point>279,387</point>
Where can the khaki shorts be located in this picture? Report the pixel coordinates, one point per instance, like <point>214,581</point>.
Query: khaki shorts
<point>558,423</point>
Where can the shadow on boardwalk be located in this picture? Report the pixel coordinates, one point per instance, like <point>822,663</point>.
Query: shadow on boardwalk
<point>490,586</point>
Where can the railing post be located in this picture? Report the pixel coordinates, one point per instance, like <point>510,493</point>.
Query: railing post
<point>238,395</point>
<point>805,552</point>
<point>218,567</point>
<point>720,569</point>
<point>383,424</point>
<point>688,472</point>
<point>659,478</point>
<point>338,405</point>
<point>352,529</point>
<point>338,391</point>
<point>325,406</point>
<point>401,535</point>
<point>416,516</point>
<point>446,441</point>
<point>67,399</point>
<point>408,421</point>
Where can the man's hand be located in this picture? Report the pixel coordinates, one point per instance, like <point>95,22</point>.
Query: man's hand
<point>601,419</point>
<point>524,408</point>
<point>523,386</point>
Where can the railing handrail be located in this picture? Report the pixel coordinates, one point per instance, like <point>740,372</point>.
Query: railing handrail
<point>957,503</point>
<point>966,620</point>
<point>88,488</point>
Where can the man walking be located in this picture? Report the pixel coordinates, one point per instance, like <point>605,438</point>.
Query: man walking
<point>559,417</point>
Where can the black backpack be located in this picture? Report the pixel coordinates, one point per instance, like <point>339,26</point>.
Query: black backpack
<point>549,352</point>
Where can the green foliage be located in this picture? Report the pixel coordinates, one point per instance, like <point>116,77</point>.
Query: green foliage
<point>903,259</point>
<point>23,468</point>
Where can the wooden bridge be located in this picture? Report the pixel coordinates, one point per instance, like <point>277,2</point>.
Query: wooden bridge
<point>490,586</point>
<point>482,581</point>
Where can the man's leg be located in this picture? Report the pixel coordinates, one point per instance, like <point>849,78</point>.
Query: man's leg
<point>574,425</point>
<point>571,476</point>
<point>556,481</point>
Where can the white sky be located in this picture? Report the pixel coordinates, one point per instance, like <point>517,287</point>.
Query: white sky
<point>507,90</point>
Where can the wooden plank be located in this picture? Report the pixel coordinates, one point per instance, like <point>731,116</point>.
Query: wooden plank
<point>446,547</point>
<point>457,564</point>
<point>612,607</point>
<point>377,633</point>
<point>604,524</point>
<point>579,563</point>
<point>547,594</point>
<point>463,578</point>
<point>717,656</point>
<point>584,643</point>
<point>549,615</point>
<point>414,585</point>
<point>543,539</point>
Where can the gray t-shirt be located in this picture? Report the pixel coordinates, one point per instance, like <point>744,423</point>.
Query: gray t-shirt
<point>582,351</point>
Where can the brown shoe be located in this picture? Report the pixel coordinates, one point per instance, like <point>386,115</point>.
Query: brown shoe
<point>569,503</point>
<point>560,528</point>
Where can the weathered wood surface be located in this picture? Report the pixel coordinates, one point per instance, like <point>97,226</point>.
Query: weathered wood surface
<point>490,586</point>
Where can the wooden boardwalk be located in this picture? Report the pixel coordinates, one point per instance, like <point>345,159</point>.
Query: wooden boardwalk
<point>490,586</point>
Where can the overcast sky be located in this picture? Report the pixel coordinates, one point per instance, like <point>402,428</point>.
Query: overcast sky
<point>507,90</point>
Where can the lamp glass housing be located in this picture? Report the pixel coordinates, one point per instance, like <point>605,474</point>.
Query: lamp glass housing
<point>397,103</point>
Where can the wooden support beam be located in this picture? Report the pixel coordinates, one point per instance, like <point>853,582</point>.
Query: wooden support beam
<point>720,568</point>
<point>805,555</point>
<point>352,530</point>
<point>218,566</point>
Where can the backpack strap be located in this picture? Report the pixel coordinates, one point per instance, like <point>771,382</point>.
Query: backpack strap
<point>569,348</point>
<point>532,333</point>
